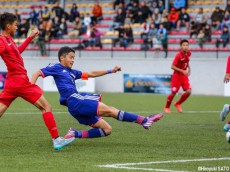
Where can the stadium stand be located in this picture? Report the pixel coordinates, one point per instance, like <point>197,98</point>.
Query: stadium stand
<point>106,29</point>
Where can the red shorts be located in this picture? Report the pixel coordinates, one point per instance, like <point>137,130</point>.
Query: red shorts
<point>19,87</point>
<point>179,81</point>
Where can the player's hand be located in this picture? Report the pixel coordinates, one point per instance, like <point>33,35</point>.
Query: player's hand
<point>34,33</point>
<point>116,68</point>
<point>226,78</point>
<point>185,72</point>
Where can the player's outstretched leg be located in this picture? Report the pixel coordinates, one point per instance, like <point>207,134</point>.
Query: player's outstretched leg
<point>146,122</point>
<point>224,112</point>
<point>60,142</point>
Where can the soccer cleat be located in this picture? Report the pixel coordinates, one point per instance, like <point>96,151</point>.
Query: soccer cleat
<point>224,112</point>
<point>179,109</point>
<point>167,110</point>
<point>70,134</point>
<point>151,119</point>
<point>226,127</point>
<point>61,142</point>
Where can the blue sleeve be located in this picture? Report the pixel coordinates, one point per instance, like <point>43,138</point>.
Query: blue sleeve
<point>50,70</point>
<point>77,74</point>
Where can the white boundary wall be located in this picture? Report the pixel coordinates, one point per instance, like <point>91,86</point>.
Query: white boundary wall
<point>206,78</point>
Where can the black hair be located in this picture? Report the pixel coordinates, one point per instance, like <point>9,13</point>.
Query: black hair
<point>7,18</point>
<point>64,51</point>
<point>183,40</point>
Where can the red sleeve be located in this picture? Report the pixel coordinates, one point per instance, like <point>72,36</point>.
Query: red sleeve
<point>23,46</point>
<point>228,65</point>
<point>176,59</point>
<point>2,46</point>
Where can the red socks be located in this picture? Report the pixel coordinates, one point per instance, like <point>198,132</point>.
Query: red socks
<point>169,100</point>
<point>229,122</point>
<point>50,124</point>
<point>182,98</point>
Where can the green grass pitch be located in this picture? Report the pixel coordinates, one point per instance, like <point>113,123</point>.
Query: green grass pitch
<point>25,144</point>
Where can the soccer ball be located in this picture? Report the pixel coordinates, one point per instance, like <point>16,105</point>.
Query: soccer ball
<point>228,136</point>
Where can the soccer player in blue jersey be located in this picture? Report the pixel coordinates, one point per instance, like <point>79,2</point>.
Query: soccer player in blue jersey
<point>86,108</point>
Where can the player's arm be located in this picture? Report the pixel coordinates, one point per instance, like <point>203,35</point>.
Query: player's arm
<point>227,75</point>
<point>179,70</point>
<point>23,46</point>
<point>189,70</point>
<point>35,76</point>
<point>94,74</point>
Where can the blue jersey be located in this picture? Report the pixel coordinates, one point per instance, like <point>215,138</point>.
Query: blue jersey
<point>64,79</point>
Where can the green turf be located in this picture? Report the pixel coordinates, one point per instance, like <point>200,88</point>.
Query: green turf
<point>25,144</point>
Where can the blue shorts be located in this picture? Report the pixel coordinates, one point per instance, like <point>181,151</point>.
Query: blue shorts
<point>84,107</point>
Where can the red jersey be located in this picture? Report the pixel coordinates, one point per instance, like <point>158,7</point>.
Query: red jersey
<point>228,66</point>
<point>181,61</point>
<point>11,55</point>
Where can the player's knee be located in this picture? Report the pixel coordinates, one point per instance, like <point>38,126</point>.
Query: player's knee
<point>48,107</point>
<point>108,130</point>
<point>189,91</point>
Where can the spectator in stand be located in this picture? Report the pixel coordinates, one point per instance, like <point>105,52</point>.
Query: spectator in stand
<point>63,28</point>
<point>146,12</point>
<point>23,28</point>
<point>200,37</point>
<point>156,17</point>
<point>179,4</point>
<point>161,7</point>
<point>129,34</point>
<point>77,28</point>
<point>144,30</point>
<point>228,6</point>
<point>55,28</point>
<point>133,13</point>
<point>95,37</point>
<point>152,4</point>
<point>46,15</point>
<point>41,40</point>
<point>162,32</point>
<point>152,35</point>
<point>183,19</point>
<point>33,16</point>
<point>87,20</point>
<point>16,13</point>
<point>121,35</point>
<point>217,18</point>
<point>118,19</point>
<point>193,29</point>
<point>118,2</point>
<point>173,17</point>
<point>164,20</point>
<point>58,11</point>
<point>40,12</point>
<point>226,20</point>
<point>97,13</point>
<point>200,19</point>
<point>48,26</point>
<point>33,27</point>
<point>206,35</point>
<point>74,12</point>
<point>224,38</point>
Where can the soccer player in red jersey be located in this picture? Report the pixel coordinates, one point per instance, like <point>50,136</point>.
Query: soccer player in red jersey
<point>17,82</point>
<point>180,78</point>
<point>226,107</point>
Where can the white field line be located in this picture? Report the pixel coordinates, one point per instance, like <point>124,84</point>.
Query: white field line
<point>126,165</point>
<point>59,111</point>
